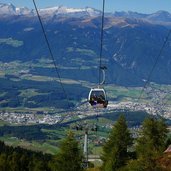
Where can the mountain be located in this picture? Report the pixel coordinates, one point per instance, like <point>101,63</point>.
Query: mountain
<point>10,10</point>
<point>162,16</point>
<point>132,42</point>
<point>71,12</point>
<point>159,16</point>
<point>130,14</point>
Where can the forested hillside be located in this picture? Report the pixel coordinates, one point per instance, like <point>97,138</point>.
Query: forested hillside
<point>132,42</point>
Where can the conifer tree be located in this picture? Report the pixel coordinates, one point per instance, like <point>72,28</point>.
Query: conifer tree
<point>149,146</point>
<point>3,162</point>
<point>115,153</point>
<point>151,143</point>
<point>70,157</point>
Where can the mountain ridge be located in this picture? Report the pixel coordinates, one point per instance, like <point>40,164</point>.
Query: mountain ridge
<point>130,45</point>
<point>10,9</point>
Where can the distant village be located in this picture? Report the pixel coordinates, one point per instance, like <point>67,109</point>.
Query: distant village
<point>81,111</point>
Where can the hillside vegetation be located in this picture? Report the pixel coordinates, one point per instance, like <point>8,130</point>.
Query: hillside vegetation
<point>147,153</point>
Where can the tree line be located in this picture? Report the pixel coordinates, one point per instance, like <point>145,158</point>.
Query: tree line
<point>18,159</point>
<point>121,152</point>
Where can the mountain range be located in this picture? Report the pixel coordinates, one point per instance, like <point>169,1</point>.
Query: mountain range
<point>132,42</point>
<point>10,10</point>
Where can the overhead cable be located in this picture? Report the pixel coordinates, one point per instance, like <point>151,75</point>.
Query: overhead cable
<point>155,64</point>
<point>51,54</point>
<point>101,41</point>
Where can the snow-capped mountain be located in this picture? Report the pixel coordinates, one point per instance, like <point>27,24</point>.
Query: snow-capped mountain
<point>7,9</point>
<point>51,12</point>
<point>163,16</point>
<point>159,16</point>
<point>129,14</point>
<point>71,12</point>
<point>65,10</point>
<point>10,9</point>
<point>24,11</point>
<point>132,41</point>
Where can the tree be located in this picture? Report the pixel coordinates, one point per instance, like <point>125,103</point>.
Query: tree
<point>115,153</point>
<point>70,157</point>
<point>150,145</point>
<point>3,162</point>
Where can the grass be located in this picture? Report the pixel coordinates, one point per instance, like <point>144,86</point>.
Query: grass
<point>113,91</point>
<point>2,123</point>
<point>44,147</point>
<point>46,78</point>
<point>55,135</point>
<point>87,52</point>
<point>29,93</point>
<point>2,74</point>
<point>70,49</point>
<point>36,146</point>
<point>97,150</point>
<point>28,110</point>
<point>124,93</point>
<point>12,42</point>
<point>37,78</point>
<point>60,133</point>
<point>2,94</point>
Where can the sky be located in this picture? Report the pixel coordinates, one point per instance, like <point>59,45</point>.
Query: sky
<point>142,6</point>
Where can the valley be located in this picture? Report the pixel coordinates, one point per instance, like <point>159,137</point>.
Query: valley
<point>34,110</point>
<point>40,99</point>
<point>44,126</point>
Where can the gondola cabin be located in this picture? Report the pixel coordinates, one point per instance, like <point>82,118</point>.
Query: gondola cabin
<point>97,97</point>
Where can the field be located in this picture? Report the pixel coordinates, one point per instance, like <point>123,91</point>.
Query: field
<point>47,138</point>
<point>45,147</point>
<point>34,88</point>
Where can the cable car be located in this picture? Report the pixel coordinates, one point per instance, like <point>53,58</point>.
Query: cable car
<point>97,97</point>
